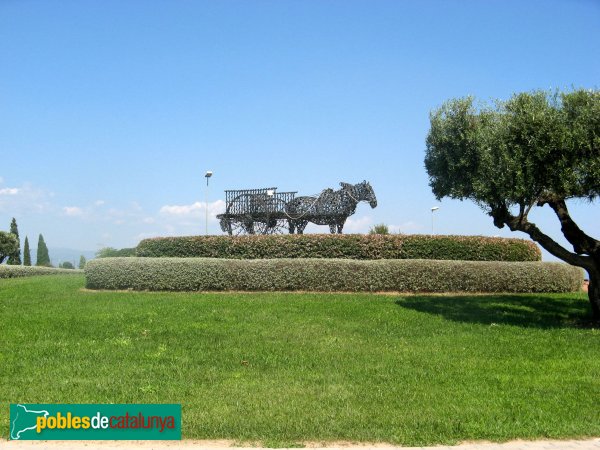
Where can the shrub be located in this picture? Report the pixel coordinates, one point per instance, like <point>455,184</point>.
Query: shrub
<point>200,274</point>
<point>380,228</point>
<point>30,271</point>
<point>348,246</point>
<point>66,265</point>
<point>109,252</point>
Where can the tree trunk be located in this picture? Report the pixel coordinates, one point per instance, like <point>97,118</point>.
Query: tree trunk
<point>594,292</point>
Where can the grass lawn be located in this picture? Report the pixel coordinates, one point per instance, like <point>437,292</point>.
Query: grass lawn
<point>287,368</point>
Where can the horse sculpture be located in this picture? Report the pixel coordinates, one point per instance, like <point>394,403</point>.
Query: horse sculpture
<point>329,208</point>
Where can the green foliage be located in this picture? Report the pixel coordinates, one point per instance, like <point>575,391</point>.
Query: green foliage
<point>82,262</point>
<point>43,258</point>
<point>381,228</point>
<point>66,265</point>
<point>26,253</point>
<point>7,271</point>
<point>349,246</point>
<point>8,245</point>
<point>516,152</point>
<point>199,274</point>
<point>15,258</point>
<point>110,252</point>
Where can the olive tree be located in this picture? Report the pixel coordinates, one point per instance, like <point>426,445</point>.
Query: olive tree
<point>536,149</point>
<point>8,245</point>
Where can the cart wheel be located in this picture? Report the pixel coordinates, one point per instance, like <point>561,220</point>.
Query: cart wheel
<point>225,223</point>
<point>273,221</point>
<point>271,225</point>
<point>242,225</point>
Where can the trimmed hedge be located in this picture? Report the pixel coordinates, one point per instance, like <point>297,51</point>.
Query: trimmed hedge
<point>31,271</point>
<point>213,274</point>
<point>347,246</point>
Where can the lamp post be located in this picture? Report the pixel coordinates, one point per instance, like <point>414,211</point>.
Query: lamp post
<point>207,175</point>
<point>433,209</point>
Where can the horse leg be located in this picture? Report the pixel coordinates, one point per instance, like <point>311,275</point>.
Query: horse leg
<point>301,226</point>
<point>340,226</point>
<point>291,226</point>
<point>332,228</point>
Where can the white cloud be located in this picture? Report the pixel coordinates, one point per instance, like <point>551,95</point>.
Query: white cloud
<point>146,235</point>
<point>133,213</point>
<point>405,227</point>
<point>196,209</point>
<point>358,225</point>
<point>186,219</point>
<point>9,191</point>
<point>24,199</point>
<point>181,210</point>
<point>73,211</point>
<point>99,202</point>
<point>353,225</point>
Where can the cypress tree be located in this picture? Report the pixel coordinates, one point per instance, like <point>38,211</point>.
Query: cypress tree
<point>15,258</point>
<point>26,253</point>
<point>43,258</point>
<point>82,262</point>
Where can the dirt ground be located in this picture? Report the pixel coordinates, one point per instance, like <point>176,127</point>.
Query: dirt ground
<point>590,444</point>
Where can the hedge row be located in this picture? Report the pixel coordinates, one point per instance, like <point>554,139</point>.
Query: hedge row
<point>7,271</point>
<point>212,274</point>
<point>348,246</point>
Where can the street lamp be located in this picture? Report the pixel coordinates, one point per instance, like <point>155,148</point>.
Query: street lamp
<point>433,209</point>
<point>207,175</point>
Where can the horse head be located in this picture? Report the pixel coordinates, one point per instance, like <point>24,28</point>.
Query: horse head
<point>361,192</point>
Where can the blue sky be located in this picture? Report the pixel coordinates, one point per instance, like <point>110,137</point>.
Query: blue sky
<point>111,111</point>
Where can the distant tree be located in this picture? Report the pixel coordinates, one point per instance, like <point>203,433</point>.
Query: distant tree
<point>26,253</point>
<point>535,149</point>
<point>43,258</point>
<point>82,262</point>
<point>66,265</point>
<point>109,252</point>
<point>15,258</point>
<point>381,228</point>
<point>8,245</point>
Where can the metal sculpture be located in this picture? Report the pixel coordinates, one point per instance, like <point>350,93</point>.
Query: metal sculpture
<point>329,208</point>
<point>255,211</point>
<point>266,211</point>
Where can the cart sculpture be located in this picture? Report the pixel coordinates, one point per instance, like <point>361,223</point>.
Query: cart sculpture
<point>255,211</point>
<point>266,211</point>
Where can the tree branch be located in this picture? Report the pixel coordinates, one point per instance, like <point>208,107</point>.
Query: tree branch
<point>529,206</point>
<point>503,217</point>
<point>581,242</point>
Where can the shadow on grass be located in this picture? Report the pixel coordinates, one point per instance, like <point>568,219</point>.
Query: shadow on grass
<point>540,311</point>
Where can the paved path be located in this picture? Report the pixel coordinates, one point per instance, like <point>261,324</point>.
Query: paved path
<point>590,444</point>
